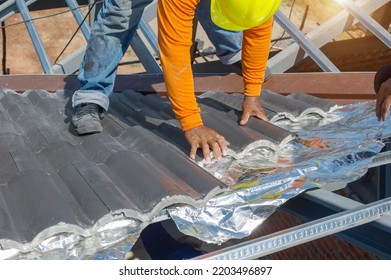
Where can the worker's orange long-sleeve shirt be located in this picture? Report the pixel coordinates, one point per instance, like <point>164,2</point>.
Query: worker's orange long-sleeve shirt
<point>175,20</point>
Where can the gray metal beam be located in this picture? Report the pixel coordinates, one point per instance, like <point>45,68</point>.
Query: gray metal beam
<point>68,65</point>
<point>381,158</point>
<point>384,172</point>
<point>51,4</point>
<point>149,34</point>
<point>331,224</point>
<point>77,14</point>
<point>367,21</point>
<point>320,36</point>
<point>8,9</point>
<point>140,48</point>
<point>38,45</point>
<point>150,11</point>
<point>373,237</point>
<point>94,11</point>
<point>384,181</point>
<point>320,59</point>
<point>144,55</point>
<point>71,63</point>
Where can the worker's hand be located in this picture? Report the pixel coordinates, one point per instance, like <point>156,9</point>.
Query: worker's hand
<point>251,107</point>
<point>207,139</point>
<point>383,100</point>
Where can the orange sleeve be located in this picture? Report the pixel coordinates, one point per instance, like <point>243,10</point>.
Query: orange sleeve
<point>175,21</point>
<point>255,53</point>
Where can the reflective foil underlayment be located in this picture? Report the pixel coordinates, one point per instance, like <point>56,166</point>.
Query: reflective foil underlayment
<point>334,149</point>
<point>122,233</point>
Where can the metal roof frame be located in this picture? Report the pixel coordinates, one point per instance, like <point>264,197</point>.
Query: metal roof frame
<point>71,63</point>
<point>367,21</point>
<point>279,63</point>
<point>353,214</point>
<point>327,31</point>
<point>314,52</point>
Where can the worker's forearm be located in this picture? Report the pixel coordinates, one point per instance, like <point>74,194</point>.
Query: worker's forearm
<point>175,20</point>
<point>255,53</point>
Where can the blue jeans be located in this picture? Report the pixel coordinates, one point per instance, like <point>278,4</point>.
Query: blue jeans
<point>110,38</point>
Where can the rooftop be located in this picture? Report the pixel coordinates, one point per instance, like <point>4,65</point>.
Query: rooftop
<point>312,181</point>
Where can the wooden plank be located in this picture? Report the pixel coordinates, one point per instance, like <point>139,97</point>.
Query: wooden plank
<point>336,86</point>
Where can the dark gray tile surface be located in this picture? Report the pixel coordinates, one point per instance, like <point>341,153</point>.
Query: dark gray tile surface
<point>53,180</point>
<point>295,106</point>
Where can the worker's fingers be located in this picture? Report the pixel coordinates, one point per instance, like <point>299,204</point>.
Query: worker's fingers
<point>206,152</point>
<point>252,107</point>
<point>379,106</point>
<point>208,140</point>
<point>383,100</point>
<point>384,107</point>
<point>216,150</point>
<point>245,117</point>
<point>256,113</point>
<point>193,150</point>
<point>262,116</point>
<point>223,145</point>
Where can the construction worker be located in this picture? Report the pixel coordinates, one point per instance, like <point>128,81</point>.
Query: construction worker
<point>175,17</point>
<point>382,84</point>
<point>110,37</point>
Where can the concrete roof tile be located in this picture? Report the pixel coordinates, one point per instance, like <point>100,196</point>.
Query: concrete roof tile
<point>54,181</point>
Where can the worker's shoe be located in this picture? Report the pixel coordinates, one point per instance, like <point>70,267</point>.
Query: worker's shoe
<point>87,117</point>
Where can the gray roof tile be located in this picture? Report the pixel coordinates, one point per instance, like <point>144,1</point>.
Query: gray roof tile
<point>53,181</point>
<point>295,106</point>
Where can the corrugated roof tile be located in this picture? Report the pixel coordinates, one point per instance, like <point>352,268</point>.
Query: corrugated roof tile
<point>55,181</point>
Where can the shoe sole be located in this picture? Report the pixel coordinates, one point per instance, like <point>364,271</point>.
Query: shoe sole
<point>89,130</point>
